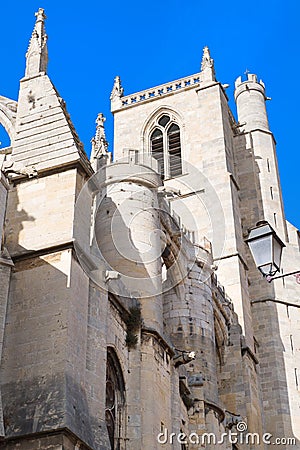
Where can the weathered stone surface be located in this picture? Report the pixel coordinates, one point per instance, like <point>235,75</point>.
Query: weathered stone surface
<point>114,326</point>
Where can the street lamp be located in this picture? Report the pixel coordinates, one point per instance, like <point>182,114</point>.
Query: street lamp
<point>266,248</point>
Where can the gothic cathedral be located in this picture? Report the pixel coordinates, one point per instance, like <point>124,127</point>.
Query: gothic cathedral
<point>132,314</point>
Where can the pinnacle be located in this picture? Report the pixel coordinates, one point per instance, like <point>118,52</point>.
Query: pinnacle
<point>37,54</point>
<point>207,61</point>
<point>207,66</point>
<point>99,152</point>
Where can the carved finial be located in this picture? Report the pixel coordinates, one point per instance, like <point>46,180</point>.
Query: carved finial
<point>37,53</point>
<point>207,66</point>
<point>99,142</point>
<point>116,94</point>
<point>100,120</point>
<point>117,90</point>
<point>207,61</point>
<point>40,15</point>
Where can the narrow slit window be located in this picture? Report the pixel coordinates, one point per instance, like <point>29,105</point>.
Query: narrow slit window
<point>292,344</point>
<point>283,279</point>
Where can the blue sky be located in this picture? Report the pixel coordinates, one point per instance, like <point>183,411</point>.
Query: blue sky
<point>149,43</point>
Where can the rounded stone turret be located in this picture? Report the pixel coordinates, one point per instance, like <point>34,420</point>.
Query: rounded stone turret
<point>250,101</point>
<point>127,229</point>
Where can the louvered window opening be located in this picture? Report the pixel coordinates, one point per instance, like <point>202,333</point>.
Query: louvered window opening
<point>174,150</point>
<point>157,150</point>
<point>166,147</point>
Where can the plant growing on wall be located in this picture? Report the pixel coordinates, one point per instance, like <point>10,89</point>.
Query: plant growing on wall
<point>133,324</point>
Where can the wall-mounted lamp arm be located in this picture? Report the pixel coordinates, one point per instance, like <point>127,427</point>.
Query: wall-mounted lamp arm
<point>269,278</point>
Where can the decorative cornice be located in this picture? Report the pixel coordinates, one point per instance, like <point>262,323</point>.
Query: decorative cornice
<point>162,90</point>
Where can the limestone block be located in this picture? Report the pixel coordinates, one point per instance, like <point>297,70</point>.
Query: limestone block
<point>40,212</point>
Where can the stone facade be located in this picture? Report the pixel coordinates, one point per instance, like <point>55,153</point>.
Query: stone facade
<point>131,313</point>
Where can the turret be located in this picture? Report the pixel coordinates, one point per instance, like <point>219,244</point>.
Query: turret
<point>271,304</point>
<point>127,231</point>
<point>250,100</point>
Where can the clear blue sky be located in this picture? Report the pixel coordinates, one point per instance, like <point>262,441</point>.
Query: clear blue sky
<point>149,43</point>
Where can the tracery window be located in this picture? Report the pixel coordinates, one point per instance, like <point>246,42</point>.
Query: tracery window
<point>165,145</point>
<point>115,401</point>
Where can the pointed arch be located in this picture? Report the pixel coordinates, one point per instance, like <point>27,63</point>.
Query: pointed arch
<point>162,136</point>
<point>178,117</point>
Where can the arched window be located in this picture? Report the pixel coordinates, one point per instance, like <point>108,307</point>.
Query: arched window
<point>165,144</point>
<point>115,401</point>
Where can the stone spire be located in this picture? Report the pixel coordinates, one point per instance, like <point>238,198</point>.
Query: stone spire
<point>37,53</point>
<point>116,93</point>
<point>45,146</point>
<point>207,66</point>
<point>99,143</point>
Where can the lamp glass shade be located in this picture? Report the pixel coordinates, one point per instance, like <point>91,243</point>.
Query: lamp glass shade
<point>277,252</point>
<point>266,248</point>
<point>261,250</point>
